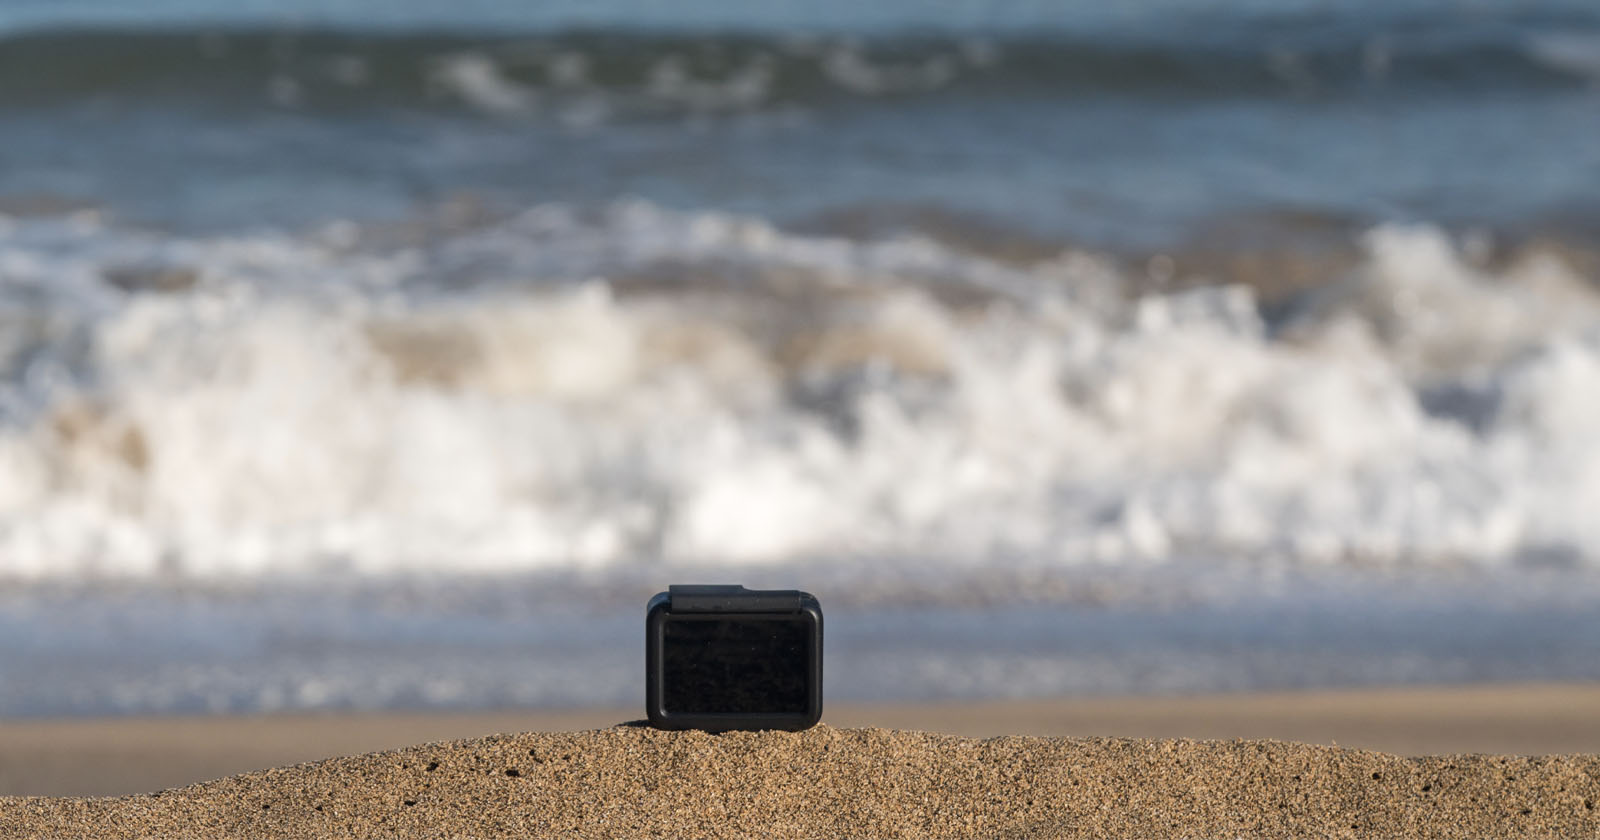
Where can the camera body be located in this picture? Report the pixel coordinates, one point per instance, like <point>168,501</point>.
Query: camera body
<point>720,658</point>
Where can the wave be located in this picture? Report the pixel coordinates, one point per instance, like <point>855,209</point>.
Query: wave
<point>642,74</point>
<point>571,390</point>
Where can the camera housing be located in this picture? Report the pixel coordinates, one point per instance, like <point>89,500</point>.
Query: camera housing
<point>721,658</point>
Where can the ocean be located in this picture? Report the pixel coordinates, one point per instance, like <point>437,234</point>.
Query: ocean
<point>390,355</point>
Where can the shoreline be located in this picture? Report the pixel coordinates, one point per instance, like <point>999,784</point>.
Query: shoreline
<point>117,756</point>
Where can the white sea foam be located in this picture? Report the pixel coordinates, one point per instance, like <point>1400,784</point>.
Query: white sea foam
<point>641,387</point>
<point>479,82</point>
<point>1572,52</point>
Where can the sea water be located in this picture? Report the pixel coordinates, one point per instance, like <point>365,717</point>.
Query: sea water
<point>390,356</point>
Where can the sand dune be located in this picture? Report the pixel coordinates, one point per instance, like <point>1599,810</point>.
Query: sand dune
<point>832,783</point>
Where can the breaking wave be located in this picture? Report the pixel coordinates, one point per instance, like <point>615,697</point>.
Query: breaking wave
<point>636,387</point>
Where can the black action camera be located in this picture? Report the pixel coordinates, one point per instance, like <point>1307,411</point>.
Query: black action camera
<point>725,657</point>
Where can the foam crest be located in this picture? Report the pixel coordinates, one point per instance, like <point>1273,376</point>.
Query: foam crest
<point>566,390</point>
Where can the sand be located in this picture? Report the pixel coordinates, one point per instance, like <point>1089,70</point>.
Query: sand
<point>632,781</point>
<point>611,781</point>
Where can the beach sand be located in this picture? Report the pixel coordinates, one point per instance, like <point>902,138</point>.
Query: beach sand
<point>627,781</point>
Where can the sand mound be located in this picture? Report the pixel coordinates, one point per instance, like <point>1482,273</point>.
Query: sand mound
<point>831,783</point>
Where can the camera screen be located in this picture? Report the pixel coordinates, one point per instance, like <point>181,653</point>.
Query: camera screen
<point>735,665</point>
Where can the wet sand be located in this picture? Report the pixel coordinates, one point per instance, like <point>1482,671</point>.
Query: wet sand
<point>832,782</point>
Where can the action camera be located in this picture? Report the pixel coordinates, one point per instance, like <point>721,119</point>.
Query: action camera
<point>720,658</point>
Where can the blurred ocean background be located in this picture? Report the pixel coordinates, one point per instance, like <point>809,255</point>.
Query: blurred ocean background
<point>391,354</point>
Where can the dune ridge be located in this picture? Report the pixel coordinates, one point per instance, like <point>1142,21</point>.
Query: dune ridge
<point>632,781</point>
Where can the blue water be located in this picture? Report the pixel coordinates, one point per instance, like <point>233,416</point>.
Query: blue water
<point>441,645</point>
<point>1136,126</point>
<point>1172,18</point>
<point>263,533</point>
